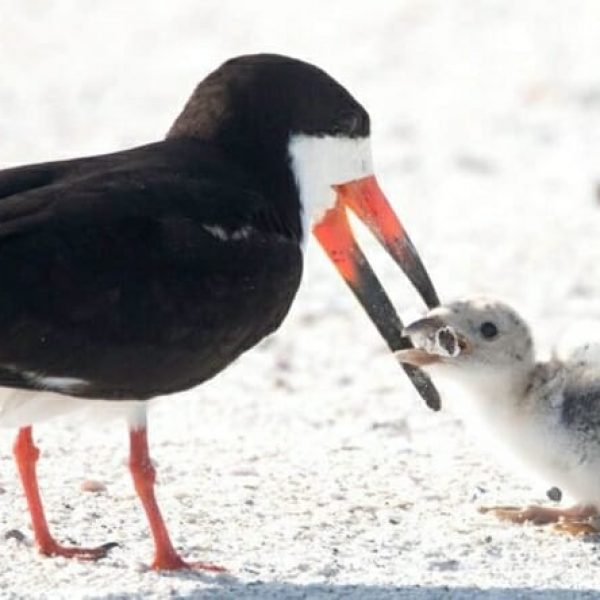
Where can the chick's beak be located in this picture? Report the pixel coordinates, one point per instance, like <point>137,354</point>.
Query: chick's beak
<point>367,201</point>
<point>417,357</point>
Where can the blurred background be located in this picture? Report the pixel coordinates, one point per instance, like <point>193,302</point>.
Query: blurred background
<point>486,135</point>
<point>485,115</point>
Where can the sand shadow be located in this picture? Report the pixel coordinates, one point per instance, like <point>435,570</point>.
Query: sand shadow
<point>260,590</point>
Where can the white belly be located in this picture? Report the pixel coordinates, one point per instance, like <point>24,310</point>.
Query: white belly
<point>536,443</point>
<point>552,455</point>
<point>19,408</point>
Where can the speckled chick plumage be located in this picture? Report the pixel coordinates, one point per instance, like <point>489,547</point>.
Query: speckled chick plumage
<point>544,416</point>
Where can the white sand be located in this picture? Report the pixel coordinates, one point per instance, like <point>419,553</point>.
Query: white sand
<point>310,468</point>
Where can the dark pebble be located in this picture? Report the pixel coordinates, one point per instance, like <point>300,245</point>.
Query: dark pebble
<point>14,534</point>
<point>554,494</point>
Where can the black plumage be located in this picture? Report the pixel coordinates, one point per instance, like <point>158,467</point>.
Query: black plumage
<point>113,274</point>
<point>147,271</point>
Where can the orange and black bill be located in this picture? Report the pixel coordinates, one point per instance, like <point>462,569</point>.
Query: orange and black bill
<point>365,198</point>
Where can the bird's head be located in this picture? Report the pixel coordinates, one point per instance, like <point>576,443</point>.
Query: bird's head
<point>306,140</point>
<point>478,342</point>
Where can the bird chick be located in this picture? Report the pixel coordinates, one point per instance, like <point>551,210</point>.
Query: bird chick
<point>543,415</point>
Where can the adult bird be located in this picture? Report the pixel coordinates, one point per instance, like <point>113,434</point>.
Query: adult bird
<point>145,272</point>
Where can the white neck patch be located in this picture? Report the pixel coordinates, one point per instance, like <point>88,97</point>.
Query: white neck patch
<point>318,163</point>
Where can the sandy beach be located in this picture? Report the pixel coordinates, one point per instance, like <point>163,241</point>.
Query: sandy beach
<point>311,468</point>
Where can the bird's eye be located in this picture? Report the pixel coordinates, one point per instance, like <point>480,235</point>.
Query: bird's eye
<point>488,330</point>
<point>353,123</point>
<point>348,123</point>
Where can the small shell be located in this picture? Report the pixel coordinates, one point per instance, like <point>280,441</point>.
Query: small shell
<point>90,485</point>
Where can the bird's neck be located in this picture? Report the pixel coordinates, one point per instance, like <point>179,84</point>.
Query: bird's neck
<point>544,387</point>
<point>267,165</point>
<point>489,394</point>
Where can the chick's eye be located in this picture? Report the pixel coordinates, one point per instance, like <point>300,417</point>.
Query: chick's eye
<point>488,330</point>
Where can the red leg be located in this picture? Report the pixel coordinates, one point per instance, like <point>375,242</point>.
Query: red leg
<point>143,473</point>
<point>26,455</point>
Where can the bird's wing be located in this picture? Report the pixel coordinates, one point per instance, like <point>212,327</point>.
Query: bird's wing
<point>581,392</point>
<point>136,275</point>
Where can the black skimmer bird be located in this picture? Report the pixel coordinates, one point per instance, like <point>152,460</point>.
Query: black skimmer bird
<point>145,272</point>
<point>544,416</point>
